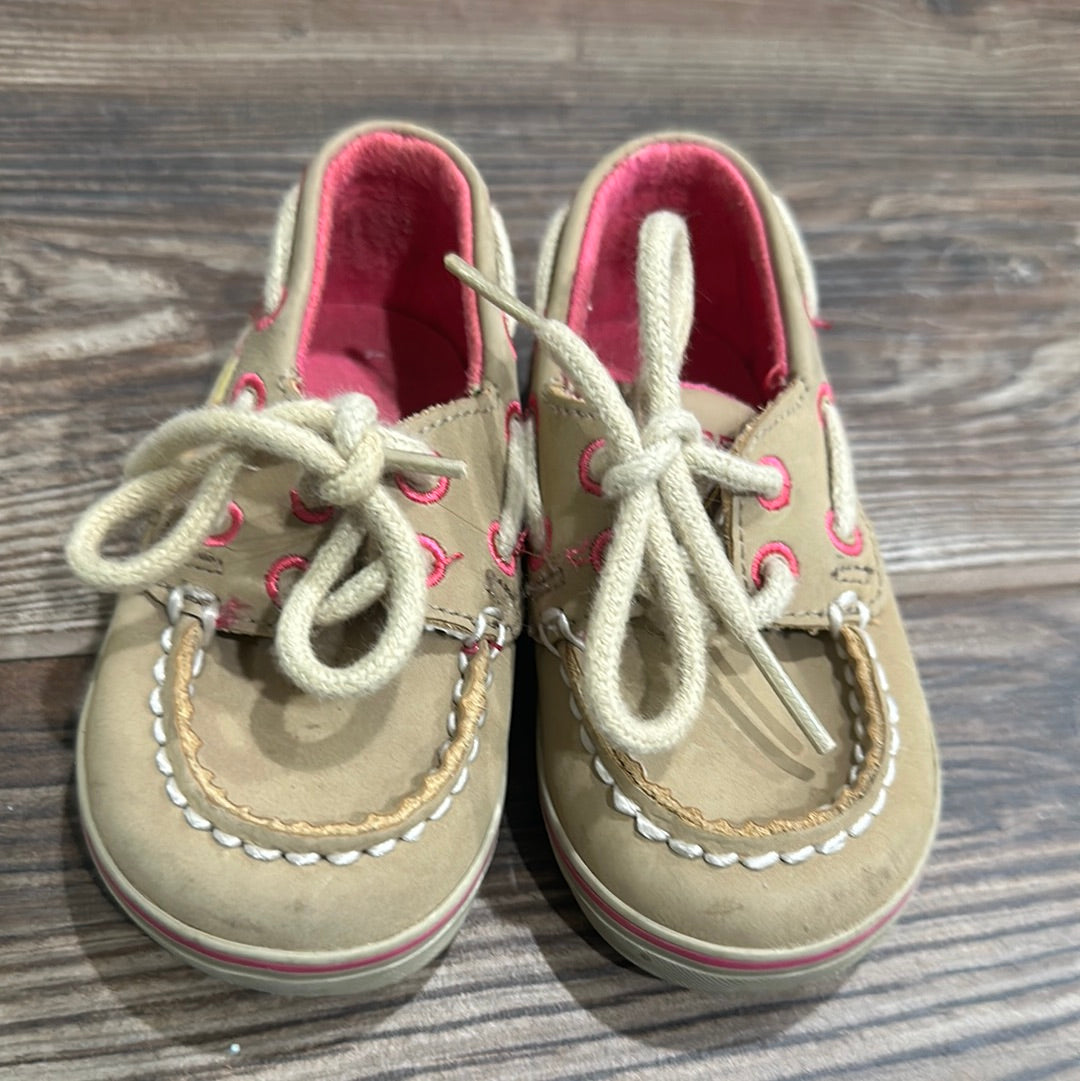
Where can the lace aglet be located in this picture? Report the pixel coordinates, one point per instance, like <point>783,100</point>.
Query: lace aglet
<point>501,298</point>
<point>408,461</point>
<point>808,723</point>
<point>819,739</point>
<point>797,706</point>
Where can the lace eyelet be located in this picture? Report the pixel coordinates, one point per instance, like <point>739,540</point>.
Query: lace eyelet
<point>250,381</point>
<point>773,548</point>
<point>784,498</point>
<point>507,566</point>
<point>277,569</point>
<point>306,514</point>
<point>227,535</point>
<point>587,481</point>
<point>852,547</point>
<point>598,549</point>
<point>265,319</point>
<point>824,394</point>
<point>432,495</point>
<point>513,410</point>
<point>439,554</point>
<point>723,441</point>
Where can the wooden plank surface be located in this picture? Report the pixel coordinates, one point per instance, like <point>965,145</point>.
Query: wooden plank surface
<point>930,150</point>
<point>980,979</point>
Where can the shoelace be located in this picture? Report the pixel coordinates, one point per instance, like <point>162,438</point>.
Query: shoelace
<point>521,498</point>
<point>344,453</point>
<point>841,470</point>
<point>663,542</point>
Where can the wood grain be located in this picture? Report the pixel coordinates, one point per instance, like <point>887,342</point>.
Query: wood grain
<point>930,150</point>
<point>981,978</point>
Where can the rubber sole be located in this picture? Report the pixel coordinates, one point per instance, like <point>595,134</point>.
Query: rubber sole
<point>292,972</point>
<point>750,975</point>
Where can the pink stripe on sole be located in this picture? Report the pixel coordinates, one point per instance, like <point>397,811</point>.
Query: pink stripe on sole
<point>787,964</point>
<point>271,966</point>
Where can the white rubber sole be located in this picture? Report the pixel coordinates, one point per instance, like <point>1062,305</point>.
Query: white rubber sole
<point>751,975</point>
<point>291,972</point>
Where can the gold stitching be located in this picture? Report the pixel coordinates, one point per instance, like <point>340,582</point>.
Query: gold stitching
<point>190,743</point>
<point>873,749</point>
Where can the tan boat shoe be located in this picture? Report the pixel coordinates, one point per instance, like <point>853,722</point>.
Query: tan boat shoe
<point>737,765</point>
<point>291,763</point>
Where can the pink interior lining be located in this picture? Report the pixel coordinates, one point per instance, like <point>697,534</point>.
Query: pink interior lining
<point>383,315</point>
<point>738,344</point>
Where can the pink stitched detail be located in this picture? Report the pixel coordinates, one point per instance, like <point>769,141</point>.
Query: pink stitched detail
<point>507,566</point>
<point>824,394</point>
<point>719,440</point>
<point>784,963</point>
<point>584,461</point>
<point>227,535</point>
<point>237,961</point>
<point>536,560</point>
<point>439,555</point>
<point>849,548</point>
<point>590,551</point>
<point>250,381</point>
<point>229,613</point>
<point>277,569</point>
<point>784,498</point>
<point>432,495</point>
<point>512,410</point>
<point>773,548</point>
<point>267,318</point>
<point>578,556</point>
<point>310,515</point>
<point>815,320</point>
<point>598,549</point>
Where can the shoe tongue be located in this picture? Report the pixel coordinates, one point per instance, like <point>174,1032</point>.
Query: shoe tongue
<point>721,416</point>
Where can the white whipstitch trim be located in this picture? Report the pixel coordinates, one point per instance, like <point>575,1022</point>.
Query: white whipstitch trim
<point>846,604</point>
<point>308,859</point>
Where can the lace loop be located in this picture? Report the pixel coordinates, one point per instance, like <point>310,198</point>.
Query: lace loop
<point>344,453</point>
<point>663,542</point>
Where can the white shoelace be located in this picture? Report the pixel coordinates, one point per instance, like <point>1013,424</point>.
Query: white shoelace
<point>521,499</point>
<point>345,454</point>
<point>845,502</point>
<point>663,543</point>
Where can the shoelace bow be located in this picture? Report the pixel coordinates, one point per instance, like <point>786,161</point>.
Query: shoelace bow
<point>344,453</point>
<point>663,542</point>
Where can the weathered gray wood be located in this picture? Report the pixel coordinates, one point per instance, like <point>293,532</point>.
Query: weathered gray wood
<point>980,980</point>
<point>932,153</point>
<point>930,150</point>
